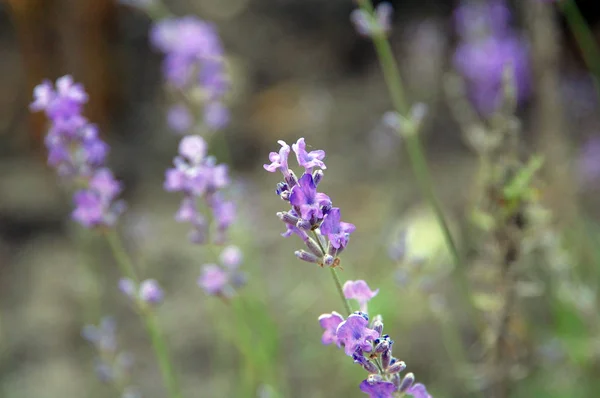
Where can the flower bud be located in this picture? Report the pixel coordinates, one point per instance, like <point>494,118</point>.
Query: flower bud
<point>128,287</point>
<point>314,247</point>
<point>150,292</point>
<point>377,324</point>
<point>287,218</point>
<point>308,257</point>
<point>318,176</point>
<point>328,260</point>
<point>407,382</point>
<point>397,367</point>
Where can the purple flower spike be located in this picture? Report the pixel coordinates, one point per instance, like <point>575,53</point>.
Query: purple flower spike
<point>307,199</point>
<point>337,231</point>
<point>330,323</point>
<point>354,334</point>
<point>418,391</point>
<point>378,389</point>
<point>213,279</point>
<point>151,292</point>
<point>308,160</point>
<point>279,161</point>
<point>359,291</point>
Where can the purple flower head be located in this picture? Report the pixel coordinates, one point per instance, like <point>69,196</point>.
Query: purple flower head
<point>359,291</point>
<point>355,334</point>
<point>307,200</point>
<point>308,160</point>
<point>89,208</point>
<point>63,102</point>
<point>128,287</point>
<point>231,257</point>
<point>476,19</point>
<point>151,292</point>
<point>213,279</point>
<point>193,149</point>
<point>330,323</point>
<point>279,161</point>
<point>337,231</point>
<point>378,388</point>
<point>418,391</point>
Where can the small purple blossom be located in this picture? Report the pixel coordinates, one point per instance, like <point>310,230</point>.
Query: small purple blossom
<point>308,160</point>
<point>151,292</point>
<point>330,323</point>
<point>307,200</point>
<point>279,161</point>
<point>418,391</point>
<point>217,280</point>
<point>354,334</point>
<point>337,231</point>
<point>179,118</point>
<point>359,291</point>
<point>378,389</point>
<point>372,25</point>
<point>231,257</point>
<point>213,279</point>
<point>127,287</point>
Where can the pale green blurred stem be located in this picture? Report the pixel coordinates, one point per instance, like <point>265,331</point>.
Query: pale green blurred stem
<point>149,318</point>
<point>417,157</point>
<point>338,286</point>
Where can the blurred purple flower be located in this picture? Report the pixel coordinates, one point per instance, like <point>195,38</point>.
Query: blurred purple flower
<point>213,279</point>
<point>368,25</point>
<point>194,58</point>
<point>179,118</point>
<point>483,54</point>
<point>151,292</point>
<point>128,287</point>
<point>589,161</point>
<point>359,291</point>
<point>77,152</point>
<point>418,391</point>
<point>330,323</point>
<point>231,257</point>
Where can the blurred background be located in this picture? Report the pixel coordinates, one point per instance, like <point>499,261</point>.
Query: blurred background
<point>298,69</point>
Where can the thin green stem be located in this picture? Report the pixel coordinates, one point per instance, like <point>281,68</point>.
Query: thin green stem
<point>417,156</point>
<point>338,286</point>
<point>149,318</point>
<point>584,37</point>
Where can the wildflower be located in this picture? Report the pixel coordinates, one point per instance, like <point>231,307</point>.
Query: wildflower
<point>330,323</point>
<point>193,60</point>
<point>111,365</point>
<point>488,46</point>
<point>354,334</point>
<point>359,291</point>
<point>76,151</point>
<point>148,292</point>
<point>378,389</point>
<point>372,25</point>
<point>199,177</point>
<point>218,280</point>
<point>311,211</point>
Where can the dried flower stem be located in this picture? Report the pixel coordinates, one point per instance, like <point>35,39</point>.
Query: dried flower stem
<point>149,318</point>
<point>417,156</point>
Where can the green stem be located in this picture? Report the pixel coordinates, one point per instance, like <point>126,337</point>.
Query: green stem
<point>584,37</point>
<point>149,318</point>
<point>340,291</point>
<point>417,156</point>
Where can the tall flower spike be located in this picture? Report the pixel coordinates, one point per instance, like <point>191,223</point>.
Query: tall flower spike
<point>77,153</point>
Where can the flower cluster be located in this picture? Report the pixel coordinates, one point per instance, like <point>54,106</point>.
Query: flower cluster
<point>488,45</point>
<point>371,25</point>
<point>369,347</point>
<point>193,63</point>
<point>311,211</point>
<point>148,292</point>
<point>222,280</point>
<point>112,365</point>
<point>76,151</point>
<point>199,177</point>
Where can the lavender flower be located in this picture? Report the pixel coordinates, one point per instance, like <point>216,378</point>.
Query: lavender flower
<point>148,292</point>
<point>372,25</point>
<point>489,46</point>
<point>358,337</point>
<point>311,211</point>
<point>112,365</point>
<point>198,177</point>
<point>359,291</point>
<point>76,151</point>
<point>193,60</point>
<point>223,280</point>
